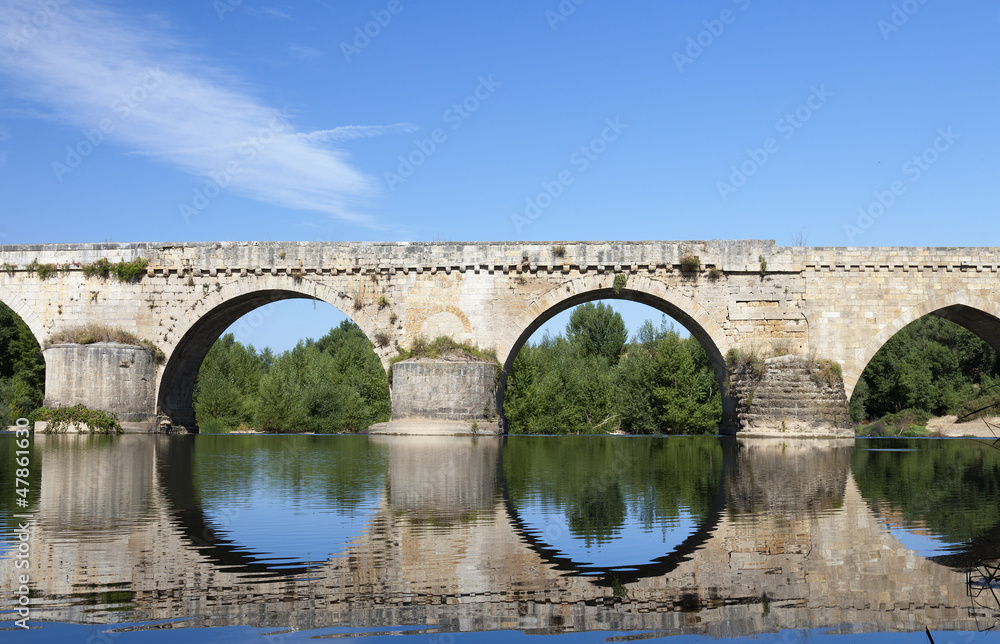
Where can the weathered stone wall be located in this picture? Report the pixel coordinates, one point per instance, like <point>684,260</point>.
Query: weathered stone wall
<point>789,396</point>
<point>104,375</point>
<point>444,390</point>
<point>835,303</point>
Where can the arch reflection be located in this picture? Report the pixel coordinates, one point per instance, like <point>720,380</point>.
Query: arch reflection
<point>610,491</point>
<point>271,510</point>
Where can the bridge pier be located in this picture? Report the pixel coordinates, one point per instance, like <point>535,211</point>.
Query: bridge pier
<point>442,397</point>
<point>789,396</point>
<point>112,377</point>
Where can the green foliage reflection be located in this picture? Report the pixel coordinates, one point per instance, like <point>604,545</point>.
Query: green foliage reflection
<point>343,470</point>
<point>598,481</point>
<point>952,487</point>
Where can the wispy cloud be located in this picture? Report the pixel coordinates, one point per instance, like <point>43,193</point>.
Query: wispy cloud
<point>90,67</point>
<point>350,132</point>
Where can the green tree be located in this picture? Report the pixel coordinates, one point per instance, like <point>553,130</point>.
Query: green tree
<point>597,329</point>
<point>22,367</point>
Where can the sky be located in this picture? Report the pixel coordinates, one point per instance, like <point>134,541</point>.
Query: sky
<point>860,122</point>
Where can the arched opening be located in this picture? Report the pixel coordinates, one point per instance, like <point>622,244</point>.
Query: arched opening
<point>320,382</point>
<point>942,364</point>
<point>22,368</point>
<point>691,357</point>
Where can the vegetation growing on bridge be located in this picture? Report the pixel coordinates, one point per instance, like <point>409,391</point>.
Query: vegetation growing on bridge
<point>444,348</point>
<point>593,381</point>
<point>335,384</point>
<point>124,271</point>
<point>97,422</point>
<point>91,333</point>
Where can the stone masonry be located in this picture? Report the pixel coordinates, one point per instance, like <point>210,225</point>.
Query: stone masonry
<point>838,304</point>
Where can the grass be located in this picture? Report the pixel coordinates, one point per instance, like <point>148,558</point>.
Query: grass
<point>826,373</point>
<point>382,339</point>
<point>748,359</point>
<point>715,273</point>
<point>559,251</point>
<point>91,333</point>
<point>444,347</point>
<point>124,271</point>
<point>383,302</point>
<point>98,421</point>
<point>763,266</point>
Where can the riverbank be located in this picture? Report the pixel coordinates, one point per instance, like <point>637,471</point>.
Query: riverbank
<point>985,427</point>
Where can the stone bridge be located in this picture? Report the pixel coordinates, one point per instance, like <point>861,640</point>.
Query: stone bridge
<point>839,304</point>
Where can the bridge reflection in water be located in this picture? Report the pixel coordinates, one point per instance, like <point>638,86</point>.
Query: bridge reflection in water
<point>679,535</point>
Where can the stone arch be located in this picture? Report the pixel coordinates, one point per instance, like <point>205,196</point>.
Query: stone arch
<point>638,288</point>
<point>977,314</point>
<point>215,314</point>
<point>27,315</point>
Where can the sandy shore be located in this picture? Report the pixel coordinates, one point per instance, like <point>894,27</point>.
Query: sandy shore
<point>988,427</point>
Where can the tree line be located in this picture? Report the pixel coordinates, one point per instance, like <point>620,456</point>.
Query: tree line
<point>594,381</point>
<point>334,384</point>
<point>22,369</point>
<point>931,367</point>
<point>591,379</point>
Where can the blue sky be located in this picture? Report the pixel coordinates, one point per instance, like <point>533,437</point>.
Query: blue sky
<point>401,120</point>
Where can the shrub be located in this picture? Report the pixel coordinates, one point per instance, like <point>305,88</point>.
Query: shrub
<point>383,302</point>
<point>620,280</point>
<point>559,251</point>
<point>715,273</point>
<point>763,266</point>
<point>124,271</point>
<point>690,263</point>
<point>44,271</point>
<point>382,339</point>
<point>97,421</point>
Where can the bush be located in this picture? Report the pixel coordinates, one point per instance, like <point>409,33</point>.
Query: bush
<point>690,263</point>
<point>97,421</point>
<point>44,271</point>
<point>124,271</point>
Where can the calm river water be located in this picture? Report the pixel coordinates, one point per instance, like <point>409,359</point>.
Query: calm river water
<point>280,539</point>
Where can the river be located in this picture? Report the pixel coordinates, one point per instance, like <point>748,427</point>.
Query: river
<point>289,538</point>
